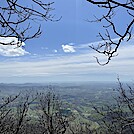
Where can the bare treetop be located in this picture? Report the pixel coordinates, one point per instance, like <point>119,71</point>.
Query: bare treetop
<point>16,19</point>
<point>110,47</point>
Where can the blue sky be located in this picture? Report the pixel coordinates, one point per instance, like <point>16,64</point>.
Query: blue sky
<point>62,54</point>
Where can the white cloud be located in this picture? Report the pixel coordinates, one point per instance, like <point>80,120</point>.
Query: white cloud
<point>80,66</point>
<point>86,45</point>
<point>55,51</point>
<point>75,64</point>
<point>68,48</point>
<point>12,49</point>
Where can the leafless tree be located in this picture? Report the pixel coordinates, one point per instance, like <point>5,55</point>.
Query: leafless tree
<point>110,47</point>
<point>17,19</point>
<point>119,117</point>
<point>51,116</point>
<point>6,115</point>
<point>22,118</point>
<point>13,114</point>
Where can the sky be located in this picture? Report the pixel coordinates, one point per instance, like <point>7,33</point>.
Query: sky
<point>62,53</point>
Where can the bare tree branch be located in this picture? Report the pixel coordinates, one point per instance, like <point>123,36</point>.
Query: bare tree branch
<point>17,19</point>
<point>109,48</point>
<point>118,118</point>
